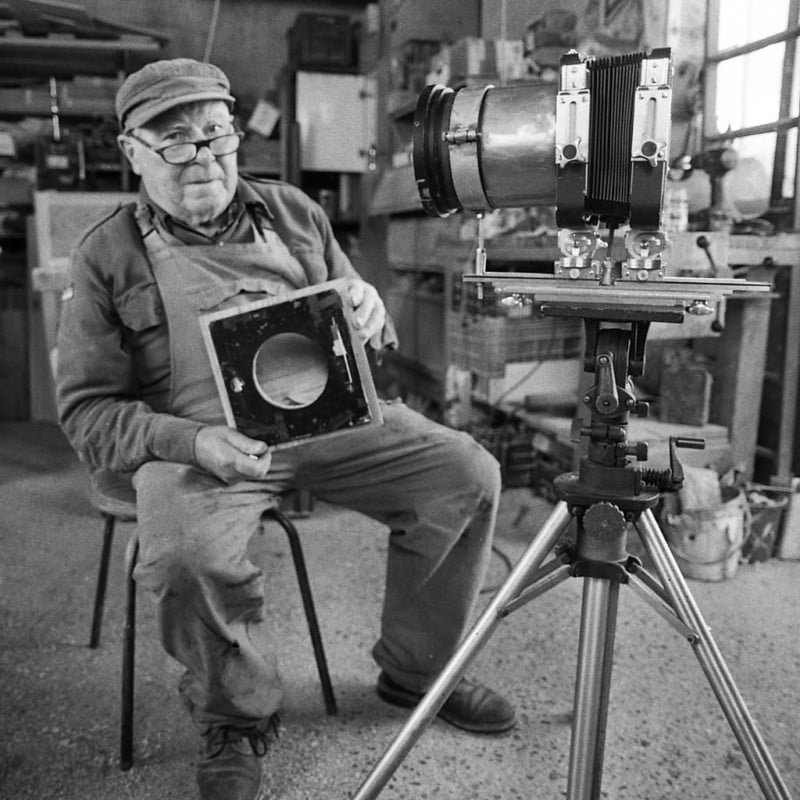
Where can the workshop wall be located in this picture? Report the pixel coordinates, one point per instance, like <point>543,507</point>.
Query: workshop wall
<point>628,24</point>
<point>249,41</point>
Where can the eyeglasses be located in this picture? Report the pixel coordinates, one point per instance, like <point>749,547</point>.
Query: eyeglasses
<point>186,152</point>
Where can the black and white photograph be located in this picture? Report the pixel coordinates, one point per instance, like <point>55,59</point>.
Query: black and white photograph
<point>399,400</point>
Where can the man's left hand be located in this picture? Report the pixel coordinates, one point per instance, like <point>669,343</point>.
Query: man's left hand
<point>369,312</point>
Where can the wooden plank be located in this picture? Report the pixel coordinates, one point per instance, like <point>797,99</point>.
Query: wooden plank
<point>739,374</point>
<point>789,383</point>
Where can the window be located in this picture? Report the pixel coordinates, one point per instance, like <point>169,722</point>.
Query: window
<point>752,94</point>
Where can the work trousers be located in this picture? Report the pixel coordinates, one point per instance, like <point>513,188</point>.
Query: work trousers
<point>434,488</point>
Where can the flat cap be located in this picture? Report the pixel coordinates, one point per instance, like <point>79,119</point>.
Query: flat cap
<point>162,85</point>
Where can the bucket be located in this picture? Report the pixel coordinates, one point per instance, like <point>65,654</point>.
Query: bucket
<point>707,542</point>
<point>766,514</point>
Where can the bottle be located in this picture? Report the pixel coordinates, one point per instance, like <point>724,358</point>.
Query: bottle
<point>676,209</point>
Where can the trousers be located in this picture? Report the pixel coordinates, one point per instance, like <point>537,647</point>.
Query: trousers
<point>434,488</point>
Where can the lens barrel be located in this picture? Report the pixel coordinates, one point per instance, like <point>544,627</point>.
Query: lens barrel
<point>484,148</point>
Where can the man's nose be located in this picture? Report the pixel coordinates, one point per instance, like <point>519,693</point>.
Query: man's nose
<point>204,154</point>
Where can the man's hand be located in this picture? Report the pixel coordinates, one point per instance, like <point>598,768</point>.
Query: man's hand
<point>231,455</point>
<point>370,314</point>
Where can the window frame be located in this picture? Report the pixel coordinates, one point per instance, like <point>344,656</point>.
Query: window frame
<point>782,126</point>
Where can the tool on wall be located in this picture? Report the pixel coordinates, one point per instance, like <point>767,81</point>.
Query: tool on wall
<point>60,161</point>
<point>717,163</point>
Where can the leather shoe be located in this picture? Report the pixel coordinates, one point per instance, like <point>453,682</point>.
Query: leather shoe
<point>471,706</point>
<point>231,765</point>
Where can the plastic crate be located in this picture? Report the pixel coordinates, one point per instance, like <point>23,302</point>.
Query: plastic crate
<point>322,41</point>
<point>513,449</point>
<point>485,345</point>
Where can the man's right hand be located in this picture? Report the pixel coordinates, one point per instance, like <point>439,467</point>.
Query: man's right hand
<point>230,455</point>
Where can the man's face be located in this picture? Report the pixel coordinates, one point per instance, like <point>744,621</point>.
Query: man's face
<point>199,191</point>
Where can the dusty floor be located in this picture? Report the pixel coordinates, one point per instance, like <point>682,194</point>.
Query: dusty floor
<point>667,738</point>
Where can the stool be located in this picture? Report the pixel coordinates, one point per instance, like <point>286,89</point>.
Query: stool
<point>114,497</point>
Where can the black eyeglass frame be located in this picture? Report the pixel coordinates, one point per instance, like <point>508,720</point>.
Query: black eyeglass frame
<point>197,145</point>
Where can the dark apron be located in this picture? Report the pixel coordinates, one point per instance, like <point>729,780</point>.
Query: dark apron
<point>193,279</point>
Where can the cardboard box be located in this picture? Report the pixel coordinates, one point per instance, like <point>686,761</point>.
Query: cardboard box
<point>537,383</point>
<point>509,59</point>
<point>490,58</point>
<point>471,56</point>
<point>439,71</point>
<point>685,396</point>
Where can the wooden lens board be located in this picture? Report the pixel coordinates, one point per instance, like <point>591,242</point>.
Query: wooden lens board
<point>292,367</point>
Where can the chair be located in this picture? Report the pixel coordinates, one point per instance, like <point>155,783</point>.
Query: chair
<point>114,497</point>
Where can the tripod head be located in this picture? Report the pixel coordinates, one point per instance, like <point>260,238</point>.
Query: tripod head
<point>615,353</point>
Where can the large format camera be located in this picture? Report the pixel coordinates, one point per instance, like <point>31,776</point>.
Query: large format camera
<point>595,146</point>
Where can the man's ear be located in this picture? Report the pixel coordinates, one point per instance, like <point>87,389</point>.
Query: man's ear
<point>130,151</point>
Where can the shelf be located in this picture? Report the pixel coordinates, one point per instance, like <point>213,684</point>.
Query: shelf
<point>61,56</point>
<point>401,105</point>
<point>36,102</point>
<point>405,266</point>
<point>396,192</point>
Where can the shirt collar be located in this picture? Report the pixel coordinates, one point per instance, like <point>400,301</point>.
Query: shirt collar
<point>254,202</point>
<point>245,199</point>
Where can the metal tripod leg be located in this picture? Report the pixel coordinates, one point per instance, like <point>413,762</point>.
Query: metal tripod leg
<point>592,683</point>
<point>734,708</point>
<point>438,693</point>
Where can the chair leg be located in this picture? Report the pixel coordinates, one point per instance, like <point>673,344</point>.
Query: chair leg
<point>102,581</point>
<point>128,658</point>
<point>308,605</point>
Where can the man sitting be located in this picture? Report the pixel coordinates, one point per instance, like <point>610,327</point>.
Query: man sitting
<point>136,394</point>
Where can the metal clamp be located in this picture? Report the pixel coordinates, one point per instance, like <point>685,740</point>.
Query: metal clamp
<point>652,112</point>
<point>572,115</point>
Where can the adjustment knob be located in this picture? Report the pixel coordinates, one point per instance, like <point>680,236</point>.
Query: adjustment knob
<point>638,450</point>
<point>604,520</point>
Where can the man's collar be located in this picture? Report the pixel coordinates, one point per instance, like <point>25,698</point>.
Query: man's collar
<point>244,198</point>
<point>254,202</point>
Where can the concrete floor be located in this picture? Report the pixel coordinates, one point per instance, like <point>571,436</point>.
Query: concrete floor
<point>667,738</point>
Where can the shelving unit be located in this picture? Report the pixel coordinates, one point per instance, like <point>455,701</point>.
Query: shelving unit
<point>327,136</point>
<point>86,71</point>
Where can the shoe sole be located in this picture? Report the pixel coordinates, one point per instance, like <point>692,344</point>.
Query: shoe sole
<point>406,700</point>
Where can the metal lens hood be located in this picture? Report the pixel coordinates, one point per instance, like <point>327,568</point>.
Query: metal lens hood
<point>431,158</point>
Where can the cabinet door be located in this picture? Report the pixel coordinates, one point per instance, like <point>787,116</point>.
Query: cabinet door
<point>336,116</point>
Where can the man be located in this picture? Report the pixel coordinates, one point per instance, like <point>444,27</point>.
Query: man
<point>136,394</point>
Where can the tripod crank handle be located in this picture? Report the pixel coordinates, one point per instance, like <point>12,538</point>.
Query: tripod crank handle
<point>689,442</point>
<point>675,466</point>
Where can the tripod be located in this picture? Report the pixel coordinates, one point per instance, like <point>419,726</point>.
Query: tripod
<point>604,497</point>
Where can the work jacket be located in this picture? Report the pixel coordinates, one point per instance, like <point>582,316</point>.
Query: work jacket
<point>113,346</point>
